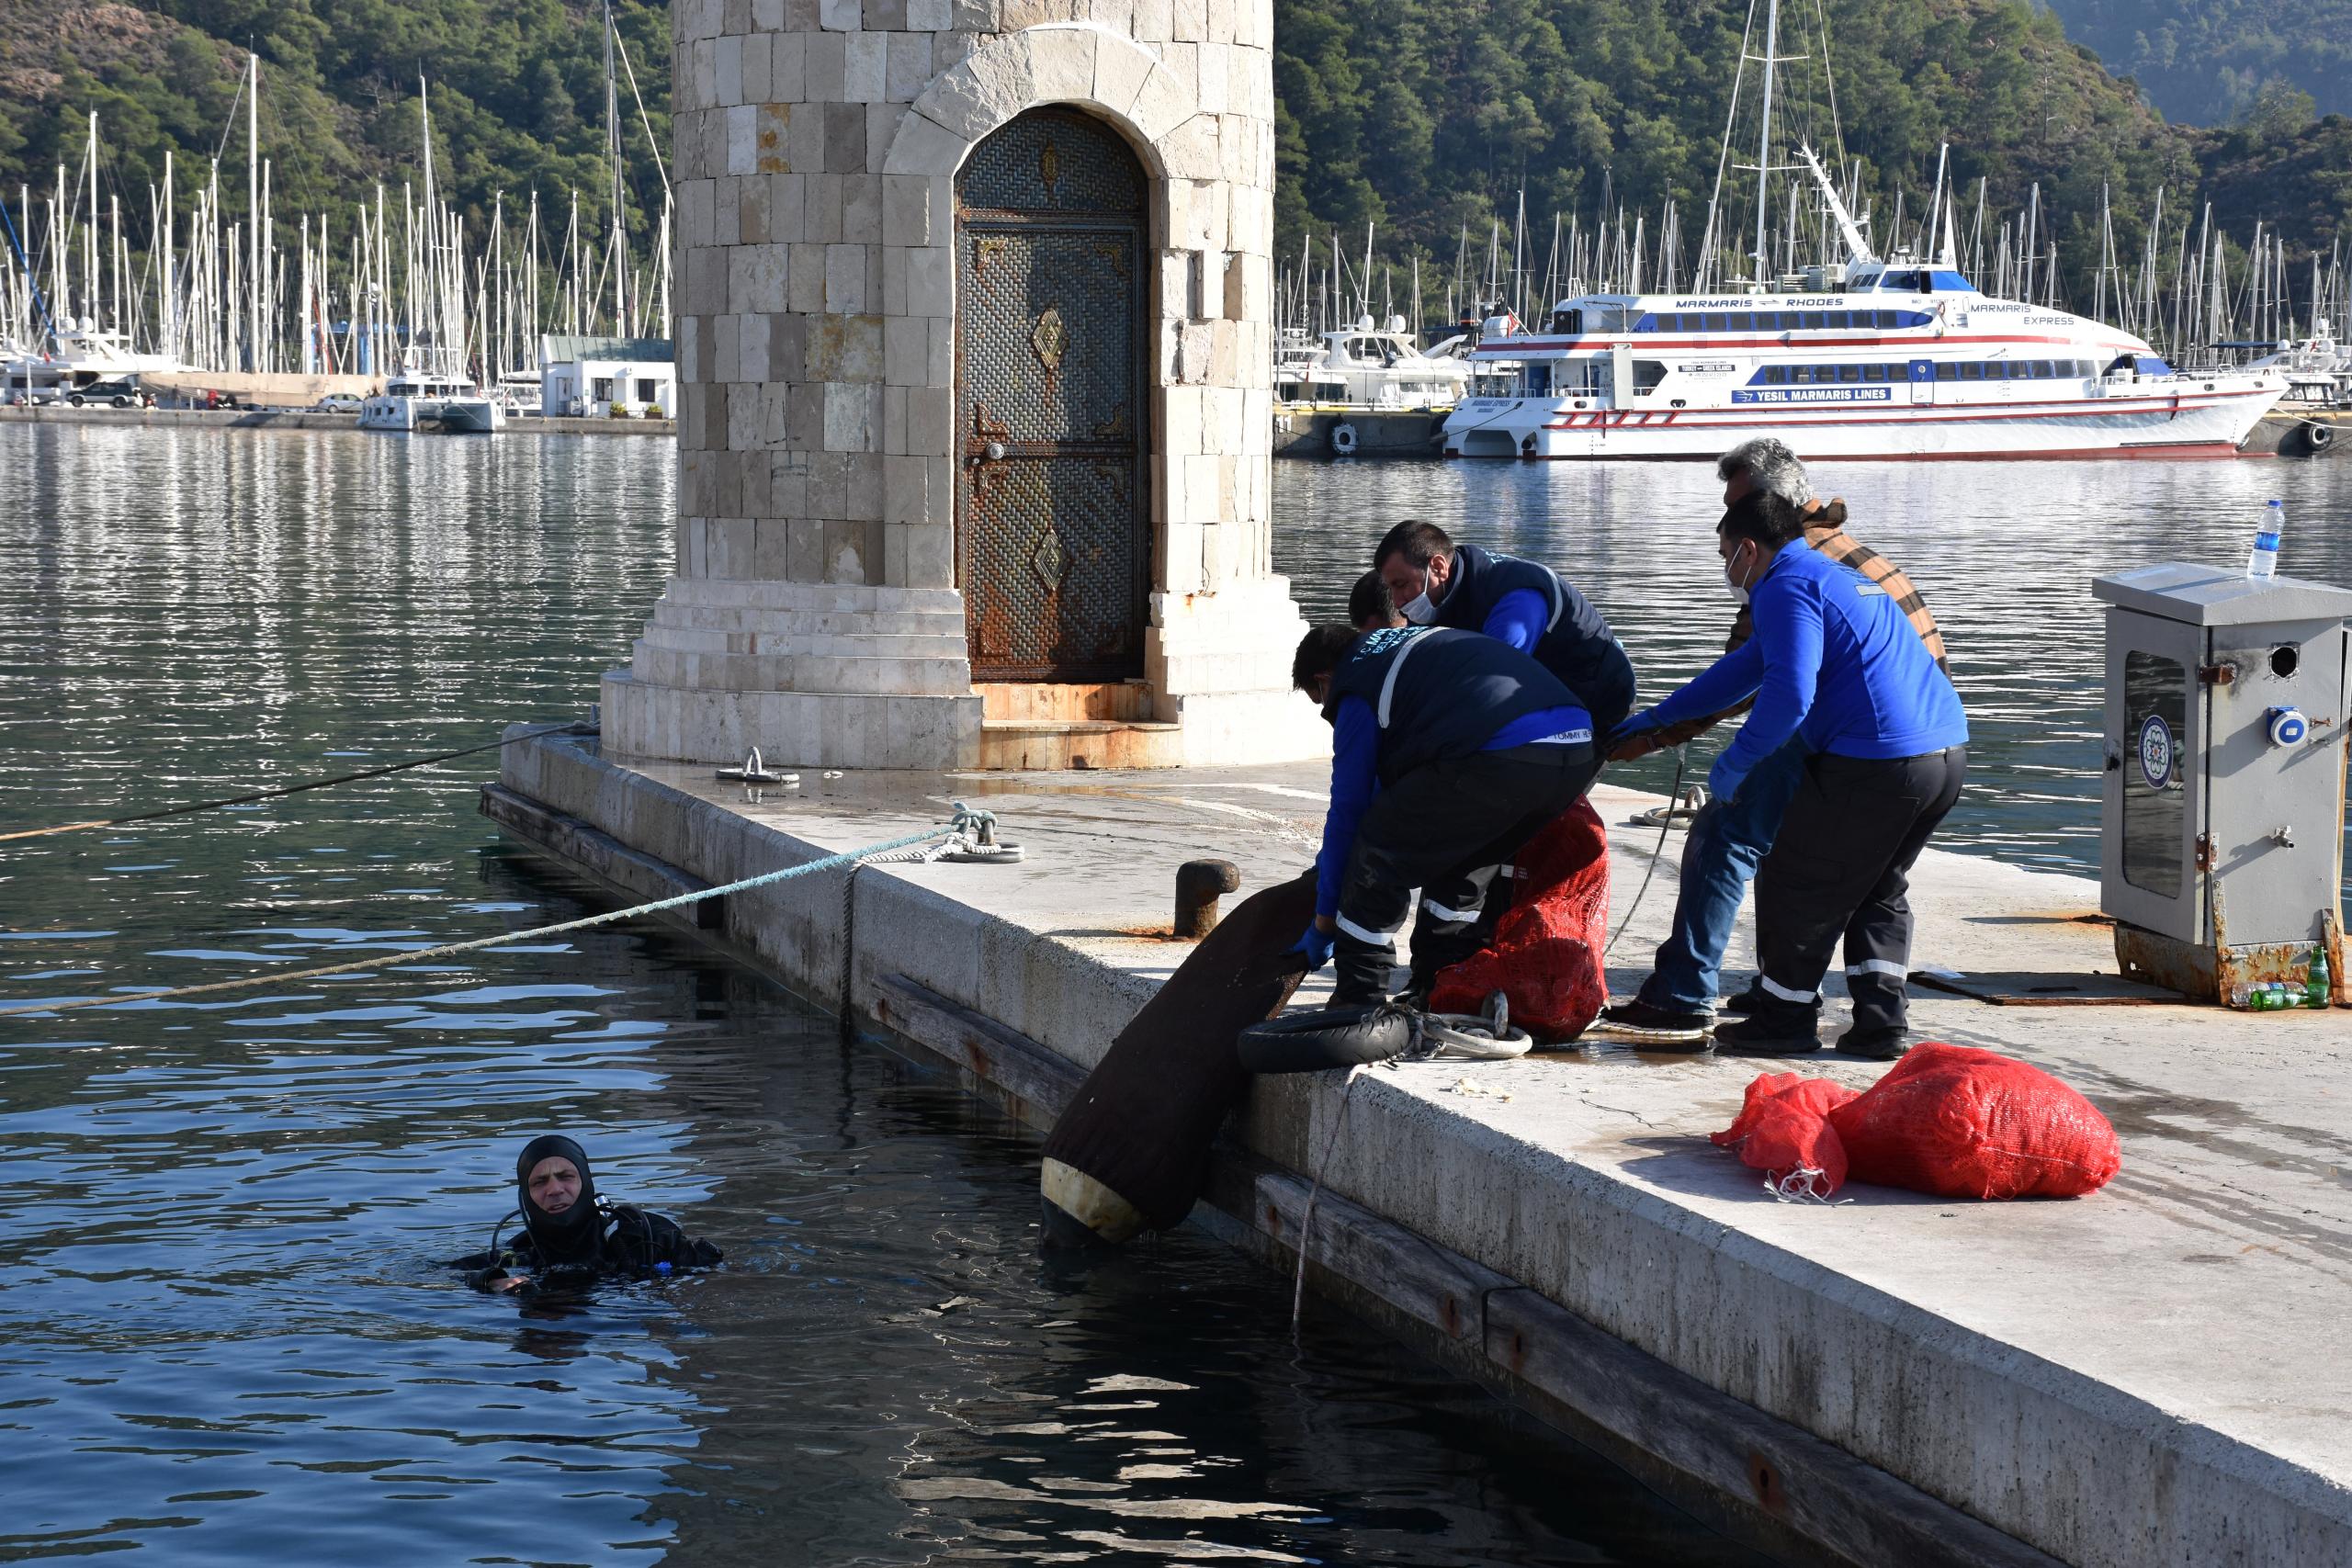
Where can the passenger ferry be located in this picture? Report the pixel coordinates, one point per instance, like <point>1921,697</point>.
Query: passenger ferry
<point>1895,359</point>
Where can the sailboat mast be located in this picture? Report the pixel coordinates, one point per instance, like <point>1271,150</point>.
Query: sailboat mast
<point>1764,136</point>
<point>253,208</point>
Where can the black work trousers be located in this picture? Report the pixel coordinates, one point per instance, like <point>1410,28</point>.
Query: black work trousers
<point>1445,829</point>
<point>1841,867</point>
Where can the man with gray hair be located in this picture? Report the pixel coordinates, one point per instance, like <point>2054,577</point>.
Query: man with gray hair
<point>1730,838</point>
<point>1768,464</point>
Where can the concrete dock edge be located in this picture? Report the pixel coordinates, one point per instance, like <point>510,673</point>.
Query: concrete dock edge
<point>1820,1416</point>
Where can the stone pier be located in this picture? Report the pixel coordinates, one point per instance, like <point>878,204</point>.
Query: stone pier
<point>975,355</point>
<point>2149,1375</point>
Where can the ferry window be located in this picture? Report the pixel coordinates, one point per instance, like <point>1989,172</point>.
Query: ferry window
<point>1776,376</point>
<point>1802,375</point>
<point>1971,372</point>
<point>1849,372</point>
<point>1837,320</point>
<point>1647,374</point>
<point>1669,323</point>
<point>1886,318</point>
<point>1947,371</point>
<point>1740,321</point>
<point>1714,321</point>
<point>2041,368</point>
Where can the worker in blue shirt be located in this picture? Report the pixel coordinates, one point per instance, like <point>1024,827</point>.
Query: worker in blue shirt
<point>1449,751</point>
<point>1435,582</point>
<point>1835,664</point>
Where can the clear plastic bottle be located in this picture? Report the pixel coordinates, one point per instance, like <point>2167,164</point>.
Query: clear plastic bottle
<point>2262,564</point>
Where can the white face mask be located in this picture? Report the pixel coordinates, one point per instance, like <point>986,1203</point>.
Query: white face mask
<point>1730,580</point>
<point>1421,612</point>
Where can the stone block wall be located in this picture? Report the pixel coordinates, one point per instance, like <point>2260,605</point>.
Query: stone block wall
<point>817,147</point>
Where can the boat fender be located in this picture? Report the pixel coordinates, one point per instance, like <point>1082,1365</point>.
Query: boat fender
<point>1326,1038</point>
<point>2318,437</point>
<point>1344,440</point>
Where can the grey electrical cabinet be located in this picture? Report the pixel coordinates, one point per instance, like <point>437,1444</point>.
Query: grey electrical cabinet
<point>2222,848</point>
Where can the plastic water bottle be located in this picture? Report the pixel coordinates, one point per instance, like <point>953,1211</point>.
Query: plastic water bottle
<point>2263,564</point>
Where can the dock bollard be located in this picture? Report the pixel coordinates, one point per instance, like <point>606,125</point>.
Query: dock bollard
<point>1199,885</point>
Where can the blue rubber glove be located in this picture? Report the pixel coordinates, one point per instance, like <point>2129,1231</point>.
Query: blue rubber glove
<point>1317,945</point>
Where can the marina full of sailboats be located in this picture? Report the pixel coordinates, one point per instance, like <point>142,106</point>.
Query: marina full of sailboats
<point>435,321</point>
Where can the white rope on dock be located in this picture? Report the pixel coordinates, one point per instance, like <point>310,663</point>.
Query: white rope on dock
<point>965,824</point>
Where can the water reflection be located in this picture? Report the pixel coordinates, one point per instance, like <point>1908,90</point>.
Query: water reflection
<point>2004,552</point>
<point>225,1328</point>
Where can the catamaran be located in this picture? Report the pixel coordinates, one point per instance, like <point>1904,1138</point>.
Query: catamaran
<point>418,398</point>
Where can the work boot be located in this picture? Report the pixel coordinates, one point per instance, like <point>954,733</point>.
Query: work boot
<point>1747,1001</point>
<point>1778,1030</point>
<point>1360,972</point>
<point>1875,1043</point>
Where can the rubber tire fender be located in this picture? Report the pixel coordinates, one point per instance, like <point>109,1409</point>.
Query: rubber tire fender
<point>1344,440</point>
<point>1323,1039</point>
<point>2317,437</point>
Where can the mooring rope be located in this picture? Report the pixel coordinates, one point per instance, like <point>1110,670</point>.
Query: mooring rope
<point>291,789</point>
<point>1665,822</point>
<point>1314,1191</point>
<point>965,821</point>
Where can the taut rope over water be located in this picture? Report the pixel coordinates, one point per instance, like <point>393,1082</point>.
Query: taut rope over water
<point>574,727</point>
<point>967,823</point>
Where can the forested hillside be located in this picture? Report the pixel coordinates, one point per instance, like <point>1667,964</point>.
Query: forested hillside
<point>1424,118</point>
<point>1424,115</point>
<point>2207,62</point>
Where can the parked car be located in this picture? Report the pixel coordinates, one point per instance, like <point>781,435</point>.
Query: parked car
<point>117,394</point>
<point>338,402</point>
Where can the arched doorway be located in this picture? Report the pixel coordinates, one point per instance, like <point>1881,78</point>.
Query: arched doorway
<point>1052,509</point>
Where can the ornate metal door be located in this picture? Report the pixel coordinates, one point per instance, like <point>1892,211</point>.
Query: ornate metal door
<point>1053,522</point>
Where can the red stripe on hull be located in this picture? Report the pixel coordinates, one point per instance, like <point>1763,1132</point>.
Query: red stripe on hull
<point>2199,451</point>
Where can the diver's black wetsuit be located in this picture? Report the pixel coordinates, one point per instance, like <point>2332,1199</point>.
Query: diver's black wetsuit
<point>591,1240</point>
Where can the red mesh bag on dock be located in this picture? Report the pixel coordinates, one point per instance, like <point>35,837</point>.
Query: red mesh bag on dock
<point>1783,1131</point>
<point>1963,1123</point>
<point>1545,956</point>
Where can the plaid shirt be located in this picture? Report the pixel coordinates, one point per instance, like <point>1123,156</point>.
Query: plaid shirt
<point>1829,536</point>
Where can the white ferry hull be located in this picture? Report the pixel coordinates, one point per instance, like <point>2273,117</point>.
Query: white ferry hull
<point>2196,418</point>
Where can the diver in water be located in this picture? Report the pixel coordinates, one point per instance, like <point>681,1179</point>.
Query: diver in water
<point>570,1236</point>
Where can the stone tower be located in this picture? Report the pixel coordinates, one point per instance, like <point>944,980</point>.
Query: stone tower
<point>975,338</point>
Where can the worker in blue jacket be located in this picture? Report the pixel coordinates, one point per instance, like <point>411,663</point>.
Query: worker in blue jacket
<point>1449,751</point>
<point>1435,582</point>
<point>1835,664</point>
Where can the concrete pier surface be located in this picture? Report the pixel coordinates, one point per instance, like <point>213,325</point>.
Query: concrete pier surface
<point>2151,1375</point>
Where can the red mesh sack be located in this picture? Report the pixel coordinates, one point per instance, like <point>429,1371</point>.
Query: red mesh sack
<point>1783,1131</point>
<point>1545,956</point>
<point>1963,1123</point>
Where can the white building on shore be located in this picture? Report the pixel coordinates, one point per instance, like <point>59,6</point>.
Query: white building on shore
<point>586,377</point>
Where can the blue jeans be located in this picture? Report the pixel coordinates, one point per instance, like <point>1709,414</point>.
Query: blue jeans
<point>1727,843</point>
